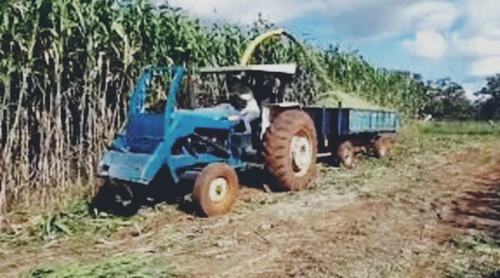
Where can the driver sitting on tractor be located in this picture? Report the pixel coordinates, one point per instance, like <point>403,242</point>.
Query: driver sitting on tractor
<point>251,110</point>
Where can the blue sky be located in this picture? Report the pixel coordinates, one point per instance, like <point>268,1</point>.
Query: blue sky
<point>459,39</point>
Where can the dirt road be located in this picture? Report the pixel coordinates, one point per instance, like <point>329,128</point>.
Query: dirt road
<point>406,216</point>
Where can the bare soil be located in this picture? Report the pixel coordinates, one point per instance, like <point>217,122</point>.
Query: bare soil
<point>382,219</point>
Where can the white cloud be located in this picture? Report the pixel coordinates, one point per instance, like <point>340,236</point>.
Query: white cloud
<point>476,39</point>
<point>247,11</point>
<point>431,15</point>
<point>428,44</point>
<point>485,67</point>
<point>467,30</point>
<point>482,16</point>
<point>479,37</point>
<point>430,20</point>
<point>476,46</point>
<point>349,18</point>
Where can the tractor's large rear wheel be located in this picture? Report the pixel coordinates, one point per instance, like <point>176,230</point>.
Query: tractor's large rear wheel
<point>290,150</point>
<point>216,189</point>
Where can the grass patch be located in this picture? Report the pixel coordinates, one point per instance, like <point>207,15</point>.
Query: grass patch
<point>79,221</point>
<point>479,257</point>
<point>116,266</point>
<point>463,128</point>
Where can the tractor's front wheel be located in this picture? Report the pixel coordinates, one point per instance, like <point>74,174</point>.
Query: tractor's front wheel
<point>118,198</point>
<point>290,150</point>
<point>216,189</point>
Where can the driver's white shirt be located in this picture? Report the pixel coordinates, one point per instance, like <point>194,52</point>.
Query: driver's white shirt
<point>251,105</point>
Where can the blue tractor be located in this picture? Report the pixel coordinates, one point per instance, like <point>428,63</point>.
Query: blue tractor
<point>206,145</point>
<point>205,150</point>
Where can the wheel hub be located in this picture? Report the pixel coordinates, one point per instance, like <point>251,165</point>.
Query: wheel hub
<point>348,157</point>
<point>218,189</point>
<point>301,153</point>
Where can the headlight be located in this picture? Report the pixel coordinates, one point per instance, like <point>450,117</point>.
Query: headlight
<point>103,170</point>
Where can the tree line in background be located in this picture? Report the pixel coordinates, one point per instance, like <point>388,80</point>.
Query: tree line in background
<point>66,67</point>
<point>488,108</point>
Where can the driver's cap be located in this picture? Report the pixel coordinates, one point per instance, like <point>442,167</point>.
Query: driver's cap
<point>246,96</point>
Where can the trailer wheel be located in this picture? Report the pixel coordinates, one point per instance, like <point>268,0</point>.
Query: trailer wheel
<point>290,149</point>
<point>382,145</point>
<point>216,189</point>
<point>346,153</point>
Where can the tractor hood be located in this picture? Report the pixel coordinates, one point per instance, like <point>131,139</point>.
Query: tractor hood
<point>220,112</point>
<point>139,153</point>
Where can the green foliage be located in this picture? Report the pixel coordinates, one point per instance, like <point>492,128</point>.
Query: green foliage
<point>460,127</point>
<point>332,99</point>
<point>480,255</point>
<point>448,101</point>
<point>402,91</point>
<point>490,108</point>
<point>116,266</point>
<point>82,220</point>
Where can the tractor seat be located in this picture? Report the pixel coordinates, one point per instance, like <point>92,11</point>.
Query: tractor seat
<point>144,132</point>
